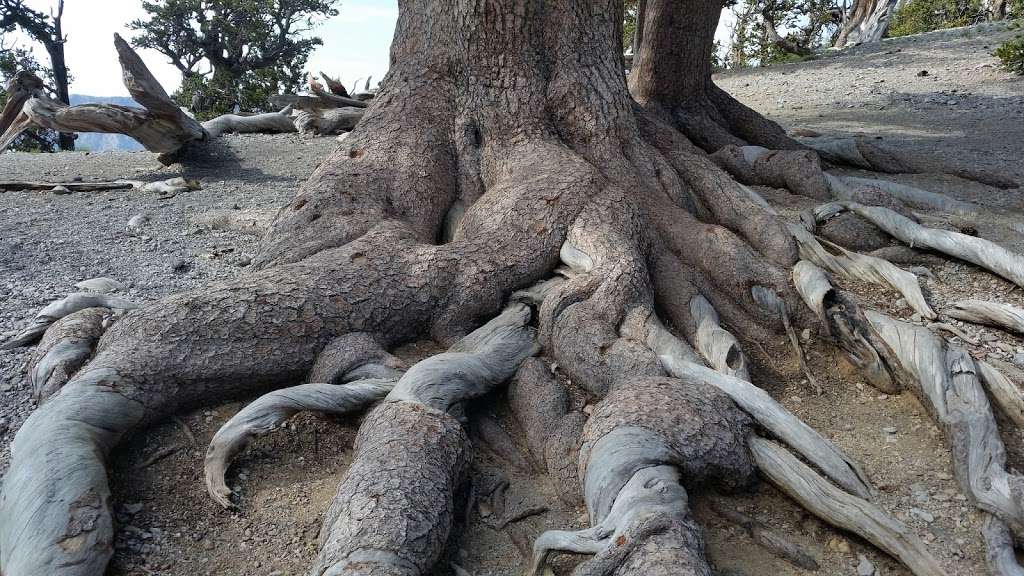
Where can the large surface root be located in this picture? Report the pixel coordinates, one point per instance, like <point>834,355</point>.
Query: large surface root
<point>394,508</point>
<point>65,347</point>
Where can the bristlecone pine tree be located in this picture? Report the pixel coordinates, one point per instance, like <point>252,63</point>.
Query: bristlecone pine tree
<point>507,194</point>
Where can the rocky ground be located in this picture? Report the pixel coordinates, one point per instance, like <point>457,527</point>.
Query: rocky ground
<point>964,108</point>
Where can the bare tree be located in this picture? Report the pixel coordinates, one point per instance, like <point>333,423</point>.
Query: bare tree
<point>48,31</point>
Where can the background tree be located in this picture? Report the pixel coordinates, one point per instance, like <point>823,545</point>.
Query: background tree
<point>47,31</point>
<point>233,53</point>
<point>771,31</point>
<point>12,59</point>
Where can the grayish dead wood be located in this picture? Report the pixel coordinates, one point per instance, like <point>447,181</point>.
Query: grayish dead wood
<point>988,313</point>
<point>841,509</point>
<point>269,123</point>
<point>861,267</point>
<point>842,189</point>
<point>978,251</point>
<point>64,348</point>
<point>61,308</point>
<point>718,346</point>
<point>1002,381</point>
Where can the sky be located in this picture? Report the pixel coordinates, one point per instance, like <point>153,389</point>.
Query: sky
<point>356,43</point>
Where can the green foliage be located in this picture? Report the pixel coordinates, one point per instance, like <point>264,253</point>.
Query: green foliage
<point>802,24</point>
<point>918,16</point>
<point>13,59</point>
<point>233,53</point>
<point>1011,54</point>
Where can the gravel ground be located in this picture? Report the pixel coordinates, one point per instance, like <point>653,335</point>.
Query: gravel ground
<point>963,109</point>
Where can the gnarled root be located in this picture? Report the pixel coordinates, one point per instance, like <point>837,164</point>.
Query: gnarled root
<point>796,170</point>
<point>944,377</point>
<point>395,506</point>
<point>328,121</point>
<point>989,313</point>
<point>270,122</point>
<point>642,440</point>
<point>64,348</point>
<point>61,308</point>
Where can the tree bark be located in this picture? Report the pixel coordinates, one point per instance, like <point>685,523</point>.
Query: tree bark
<point>868,21</point>
<point>55,48</point>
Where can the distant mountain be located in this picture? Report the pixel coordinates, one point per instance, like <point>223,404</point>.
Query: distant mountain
<point>96,142</point>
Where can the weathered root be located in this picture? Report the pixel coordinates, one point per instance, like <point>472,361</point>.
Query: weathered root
<point>642,440</point>
<point>848,188</point>
<point>978,251</point>
<point>328,121</point>
<point>945,379</point>
<point>270,122</point>
<point>61,308</point>
<point>999,555</point>
<point>717,345</point>
<point>65,347</point>
<point>862,267</point>
<point>840,509</point>
<point>1005,391</point>
<point>989,313</point>
<point>863,152</point>
<point>394,509</point>
<point>772,541</point>
<point>270,410</point>
<point>352,357</point>
<point>799,171</point>
<point>764,409</point>
<point>255,222</point>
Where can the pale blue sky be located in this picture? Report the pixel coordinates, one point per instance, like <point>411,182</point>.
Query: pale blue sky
<point>356,43</point>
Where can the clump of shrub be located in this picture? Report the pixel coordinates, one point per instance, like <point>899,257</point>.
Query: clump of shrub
<point>1011,54</point>
<point>919,16</point>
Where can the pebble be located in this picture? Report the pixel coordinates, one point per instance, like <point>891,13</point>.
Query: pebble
<point>137,221</point>
<point>101,285</point>
<point>839,545</point>
<point>865,567</point>
<point>60,190</point>
<point>923,515</point>
<point>889,430</point>
<point>1018,359</point>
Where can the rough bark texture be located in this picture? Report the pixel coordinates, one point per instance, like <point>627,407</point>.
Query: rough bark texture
<point>868,21</point>
<point>503,143</point>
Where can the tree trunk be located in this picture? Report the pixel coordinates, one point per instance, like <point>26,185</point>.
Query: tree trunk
<point>868,21</point>
<point>503,144</point>
<point>671,77</point>
<point>55,48</point>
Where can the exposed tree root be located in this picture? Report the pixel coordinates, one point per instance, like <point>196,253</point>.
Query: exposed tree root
<point>61,308</point>
<point>978,251</point>
<point>1004,390</point>
<point>66,345</point>
<point>395,506</point>
<point>945,379</point>
<point>989,313</point>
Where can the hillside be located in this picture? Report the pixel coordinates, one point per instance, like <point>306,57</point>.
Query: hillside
<point>964,107</point>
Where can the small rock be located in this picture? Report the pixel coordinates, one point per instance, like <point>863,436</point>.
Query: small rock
<point>865,567</point>
<point>923,515</point>
<point>60,190</point>
<point>889,430</point>
<point>137,221</point>
<point>1018,359</point>
<point>922,73</point>
<point>101,285</point>
<point>178,264</point>
<point>839,545</point>
<point>915,317</point>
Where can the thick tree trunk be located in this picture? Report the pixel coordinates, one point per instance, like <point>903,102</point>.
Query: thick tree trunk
<point>503,143</point>
<point>671,77</point>
<point>55,48</point>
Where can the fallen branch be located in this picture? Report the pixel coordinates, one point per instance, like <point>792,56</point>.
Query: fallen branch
<point>989,314</point>
<point>767,538</point>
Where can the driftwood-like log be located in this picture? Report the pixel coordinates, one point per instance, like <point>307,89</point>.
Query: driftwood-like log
<point>70,186</point>
<point>978,251</point>
<point>988,313</point>
<point>271,122</point>
<point>1003,389</point>
<point>328,121</point>
<point>1000,557</point>
<point>160,126</point>
<point>840,509</point>
<point>862,267</point>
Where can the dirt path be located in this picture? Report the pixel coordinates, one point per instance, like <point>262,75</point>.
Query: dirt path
<point>964,108</point>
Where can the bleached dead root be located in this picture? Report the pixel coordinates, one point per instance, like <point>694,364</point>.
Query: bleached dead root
<point>841,509</point>
<point>61,308</point>
<point>65,347</point>
<point>978,251</point>
<point>988,313</point>
<point>946,380</point>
